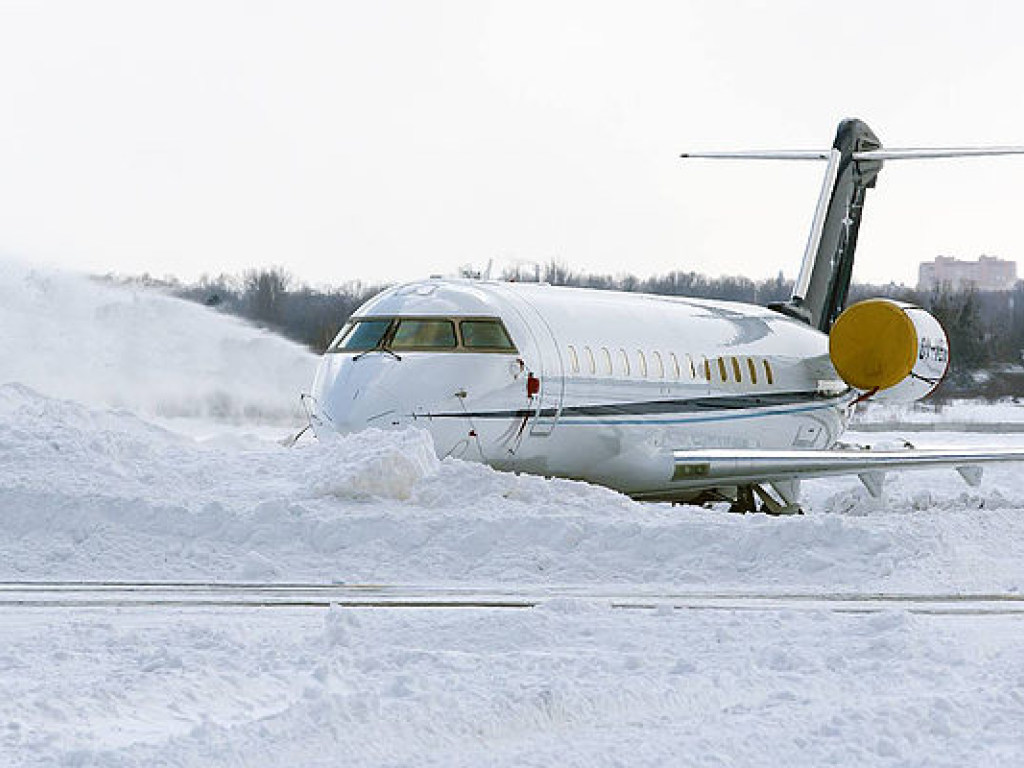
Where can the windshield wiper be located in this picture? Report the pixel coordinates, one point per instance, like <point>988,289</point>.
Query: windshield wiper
<point>378,349</point>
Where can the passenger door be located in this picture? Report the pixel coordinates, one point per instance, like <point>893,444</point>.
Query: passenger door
<point>549,368</point>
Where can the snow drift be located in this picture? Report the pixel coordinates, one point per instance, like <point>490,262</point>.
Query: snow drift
<point>70,337</point>
<point>101,494</point>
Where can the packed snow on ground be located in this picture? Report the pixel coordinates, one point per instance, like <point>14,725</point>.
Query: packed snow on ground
<point>173,474</point>
<point>971,413</point>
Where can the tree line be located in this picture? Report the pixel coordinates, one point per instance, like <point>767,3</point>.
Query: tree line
<point>271,298</point>
<point>986,329</point>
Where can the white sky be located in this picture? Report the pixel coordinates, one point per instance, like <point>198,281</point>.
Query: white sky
<point>385,140</point>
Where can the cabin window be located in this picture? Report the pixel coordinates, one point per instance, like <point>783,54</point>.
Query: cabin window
<point>768,372</point>
<point>624,362</point>
<point>486,334</point>
<point>753,370</point>
<point>693,368</point>
<point>675,365</point>
<point>574,361</point>
<point>736,372</point>
<point>707,370</point>
<point>361,335</point>
<point>424,334</point>
<point>591,364</point>
<point>641,363</point>
<point>606,356</point>
<point>659,365</point>
<point>721,369</point>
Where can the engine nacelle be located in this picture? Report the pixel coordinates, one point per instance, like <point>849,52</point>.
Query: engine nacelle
<point>895,349</point>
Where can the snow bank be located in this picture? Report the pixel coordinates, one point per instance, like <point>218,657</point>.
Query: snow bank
<point>375,463</point>
<point>70,337</point>
<point>100,494</point>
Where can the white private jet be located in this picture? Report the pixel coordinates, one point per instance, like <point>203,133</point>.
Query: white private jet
<point>661,398</point>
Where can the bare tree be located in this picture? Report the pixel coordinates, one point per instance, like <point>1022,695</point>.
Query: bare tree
<point>265,290</point>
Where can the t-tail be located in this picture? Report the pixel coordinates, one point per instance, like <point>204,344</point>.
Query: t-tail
<point>853,164</point>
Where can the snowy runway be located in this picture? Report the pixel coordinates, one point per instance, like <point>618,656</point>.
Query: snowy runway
<point>568,683</point>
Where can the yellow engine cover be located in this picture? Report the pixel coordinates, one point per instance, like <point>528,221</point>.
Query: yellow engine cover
<point>873,344</point>
<point>895,350</point>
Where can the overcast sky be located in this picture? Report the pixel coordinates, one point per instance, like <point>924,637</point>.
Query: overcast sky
<point>385,140</point>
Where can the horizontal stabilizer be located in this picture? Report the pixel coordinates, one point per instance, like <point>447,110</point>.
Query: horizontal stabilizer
<point>782,154</point>
<point>867,155</point>
<point>926,154</point>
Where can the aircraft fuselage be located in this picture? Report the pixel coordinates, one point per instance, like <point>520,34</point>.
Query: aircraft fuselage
<point>600,386</point>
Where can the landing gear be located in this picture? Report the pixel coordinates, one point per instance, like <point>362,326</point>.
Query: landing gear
<point>782,502</point>
<point>745,500</point>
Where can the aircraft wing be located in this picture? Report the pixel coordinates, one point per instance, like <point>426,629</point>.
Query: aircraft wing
<point>703,468</point>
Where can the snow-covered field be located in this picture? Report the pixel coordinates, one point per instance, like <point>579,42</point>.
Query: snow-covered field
<point>138,442</point>
<point>1007,415</point>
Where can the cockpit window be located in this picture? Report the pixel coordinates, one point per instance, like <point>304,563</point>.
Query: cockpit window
<point>424,334</point>
<point>485,334</point>
<point>361,335</point>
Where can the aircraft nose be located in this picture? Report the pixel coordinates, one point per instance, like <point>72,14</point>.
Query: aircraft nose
<point>371,406</point>
<point>354,396</point>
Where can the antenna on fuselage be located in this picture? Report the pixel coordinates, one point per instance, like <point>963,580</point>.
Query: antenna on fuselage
<point>856,157</point>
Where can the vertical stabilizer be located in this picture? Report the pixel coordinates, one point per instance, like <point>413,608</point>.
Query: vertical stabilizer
<point>819,295</point>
